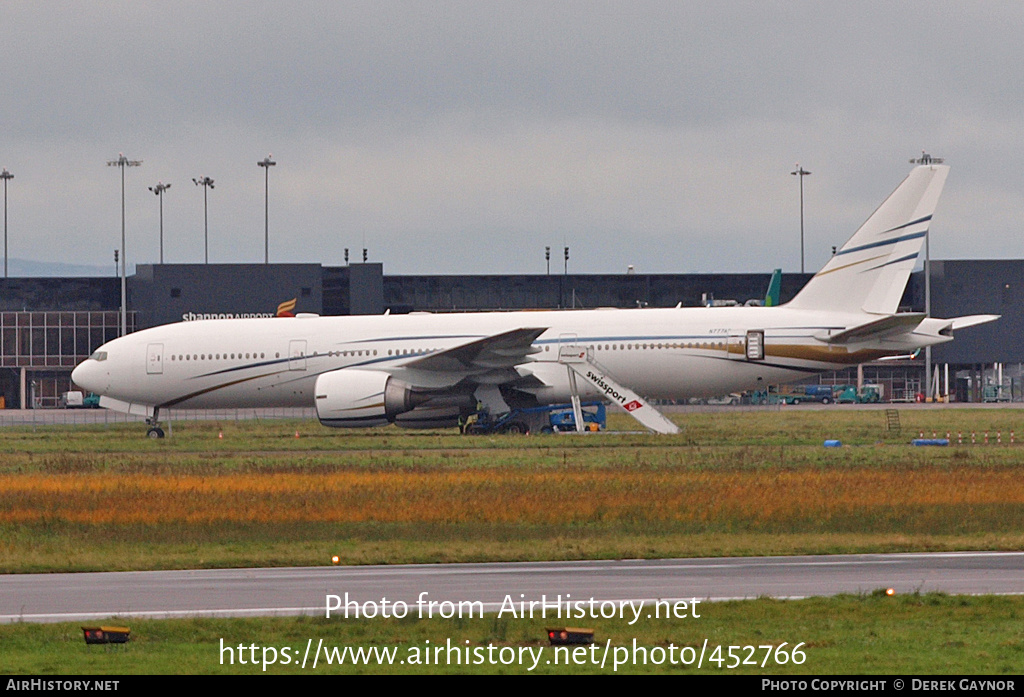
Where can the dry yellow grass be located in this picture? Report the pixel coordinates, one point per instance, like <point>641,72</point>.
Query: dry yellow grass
<point>500,495</point>
<point>733,483</point>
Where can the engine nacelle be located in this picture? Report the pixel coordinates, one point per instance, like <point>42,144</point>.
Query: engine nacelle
<point>358,398</point>
<point>430,416</point>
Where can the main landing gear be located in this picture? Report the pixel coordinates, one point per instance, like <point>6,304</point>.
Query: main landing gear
<point>154,425</point>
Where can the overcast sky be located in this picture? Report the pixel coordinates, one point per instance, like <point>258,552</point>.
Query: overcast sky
<point>463,137</point>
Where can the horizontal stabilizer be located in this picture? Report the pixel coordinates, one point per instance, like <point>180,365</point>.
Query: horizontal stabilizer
<point>877,329</point>
<point>971,320</point>
<point>909,331</point>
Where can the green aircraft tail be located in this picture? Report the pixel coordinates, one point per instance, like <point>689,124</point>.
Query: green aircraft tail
<point>771,298</point>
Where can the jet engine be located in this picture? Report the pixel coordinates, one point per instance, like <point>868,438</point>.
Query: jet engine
<point>357,398</point>
<point>430,416</point>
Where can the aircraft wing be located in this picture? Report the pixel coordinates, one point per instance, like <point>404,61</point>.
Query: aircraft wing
<point>491,359</point>
<point>505,350</point>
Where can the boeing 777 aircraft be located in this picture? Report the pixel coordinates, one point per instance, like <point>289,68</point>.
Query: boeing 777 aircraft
<point>424,370</point>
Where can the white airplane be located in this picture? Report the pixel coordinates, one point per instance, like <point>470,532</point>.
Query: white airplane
<point>424,370</point>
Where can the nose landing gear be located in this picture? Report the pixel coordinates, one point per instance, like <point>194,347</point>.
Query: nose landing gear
<point>154,425</point>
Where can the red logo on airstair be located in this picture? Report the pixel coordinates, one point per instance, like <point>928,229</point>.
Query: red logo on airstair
<point>632,406</point>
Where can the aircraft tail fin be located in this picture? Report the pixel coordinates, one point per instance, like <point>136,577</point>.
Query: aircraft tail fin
<point>870,272</point>
<point>771,298</point>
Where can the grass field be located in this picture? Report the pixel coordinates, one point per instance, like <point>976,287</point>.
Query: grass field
<point>928,634</point>
<point>732,483</point>
<point>247,494</point>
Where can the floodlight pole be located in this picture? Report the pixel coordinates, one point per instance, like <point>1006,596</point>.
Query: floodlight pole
<point>123,162</point>
<point>927,159</point>
<point>801,172</point>
<point>6,176</point>
<point>266,164</point>
<point>207,184</point>
<point>159,190</point>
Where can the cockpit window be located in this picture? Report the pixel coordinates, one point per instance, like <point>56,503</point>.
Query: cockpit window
<point>99,356</point>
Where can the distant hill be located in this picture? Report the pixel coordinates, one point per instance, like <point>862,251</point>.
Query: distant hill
<point>24,267</point>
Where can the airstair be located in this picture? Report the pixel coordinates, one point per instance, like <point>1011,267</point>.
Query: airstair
<point>579,362</point>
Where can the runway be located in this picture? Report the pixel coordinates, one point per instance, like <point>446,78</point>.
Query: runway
<point>295,591</point>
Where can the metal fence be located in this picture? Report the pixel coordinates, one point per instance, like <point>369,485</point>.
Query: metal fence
<point>63,417</point>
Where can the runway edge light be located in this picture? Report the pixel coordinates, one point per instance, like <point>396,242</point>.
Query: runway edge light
<point>562,636</point>
<point>106,635</point>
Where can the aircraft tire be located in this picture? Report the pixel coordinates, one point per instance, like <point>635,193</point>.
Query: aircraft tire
<point>155,433</point>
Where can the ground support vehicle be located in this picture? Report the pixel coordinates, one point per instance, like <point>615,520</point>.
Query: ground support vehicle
<point>544,419</point>
<point>867,394</point>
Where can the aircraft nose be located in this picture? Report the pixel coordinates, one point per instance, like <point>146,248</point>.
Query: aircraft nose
<point>90,376</point>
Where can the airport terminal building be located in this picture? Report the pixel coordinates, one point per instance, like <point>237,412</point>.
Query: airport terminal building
<point>49,325</point>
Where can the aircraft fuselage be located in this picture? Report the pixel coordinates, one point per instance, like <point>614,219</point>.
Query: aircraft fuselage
<point>662,353</point>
